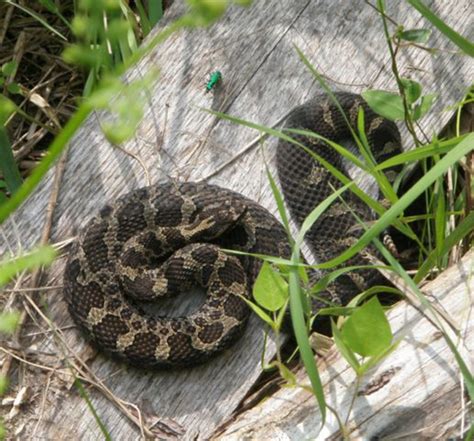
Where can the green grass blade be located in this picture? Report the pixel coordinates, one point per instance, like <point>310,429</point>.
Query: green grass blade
<point>420,153</point>
<point>461,42</point>
<point>145,23</point>
<point>329,92</point>
<point>467,375</point>
<point>316,212</point>
<point>389,217</point>
<point>35,259</point>
<point>372,203</point>
<point>53,8</point>
<point>155,11</point>
<point>42,168</point>
<point>8,166</point>
<point>301,335</point>
<point>440,218</point>
<point>85,396</point>
<point>279,201</point>
<point>37,17</point>
<point>465,227</point>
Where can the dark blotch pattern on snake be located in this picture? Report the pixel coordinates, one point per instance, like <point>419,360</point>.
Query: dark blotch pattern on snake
<point>161,240</point>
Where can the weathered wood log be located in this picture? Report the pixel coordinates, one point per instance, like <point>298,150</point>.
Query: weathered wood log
<point>416,392</point>
<point>262,79</point>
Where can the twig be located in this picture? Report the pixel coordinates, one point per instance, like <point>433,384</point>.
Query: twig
<point>245,150</point>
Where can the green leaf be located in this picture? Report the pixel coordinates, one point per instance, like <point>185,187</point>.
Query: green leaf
<point>372,361</point>
<point>270,290</point>
<point>8,166</point>
<point>260,312</point>
<point>367,330</point>
<point>287,375</point>
<point>464,44</point>
<point>425,105</point>
<point>415,35</point>
<point>11,267</point>
<point>205,12</point>
<point>7,107</point>
<point>387,104</point>
<point>344,349</point>
<point>3,389</point>
<point>9,68</point>
<point>14,88</point>
<point>412,89</point>
<point>9,321</point>
<point>49,5</point>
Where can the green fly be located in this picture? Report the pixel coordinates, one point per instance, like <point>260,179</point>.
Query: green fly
<point>213,80</point>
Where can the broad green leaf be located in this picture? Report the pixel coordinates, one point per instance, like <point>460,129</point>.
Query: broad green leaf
<point>260,312</point>
<point>415,35</point>
<point>9,68</point>
<point>412,89</point>
<point>344,349</point>
<point>270,290</point>
<point>387,104</point>
<point>9,321</point>
<point>367,330</point>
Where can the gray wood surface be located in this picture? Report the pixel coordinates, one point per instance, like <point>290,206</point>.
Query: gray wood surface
<point>262,79</point>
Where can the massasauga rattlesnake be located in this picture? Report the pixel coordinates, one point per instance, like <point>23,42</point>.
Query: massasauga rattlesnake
<point>164,239</point>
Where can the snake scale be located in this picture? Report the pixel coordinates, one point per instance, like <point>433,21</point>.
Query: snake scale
<point>162,240</point>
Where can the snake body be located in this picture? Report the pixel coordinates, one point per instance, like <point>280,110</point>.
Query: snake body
<point>161,240</point>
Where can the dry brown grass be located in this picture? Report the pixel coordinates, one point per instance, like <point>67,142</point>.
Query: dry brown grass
<point>50,87</point>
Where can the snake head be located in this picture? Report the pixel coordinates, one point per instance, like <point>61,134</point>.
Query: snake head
<point>217,217</point>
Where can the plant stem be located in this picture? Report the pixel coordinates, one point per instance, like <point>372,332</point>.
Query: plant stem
<point>408,121</point>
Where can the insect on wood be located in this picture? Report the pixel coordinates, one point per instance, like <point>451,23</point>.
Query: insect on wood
<point>214,78</point>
